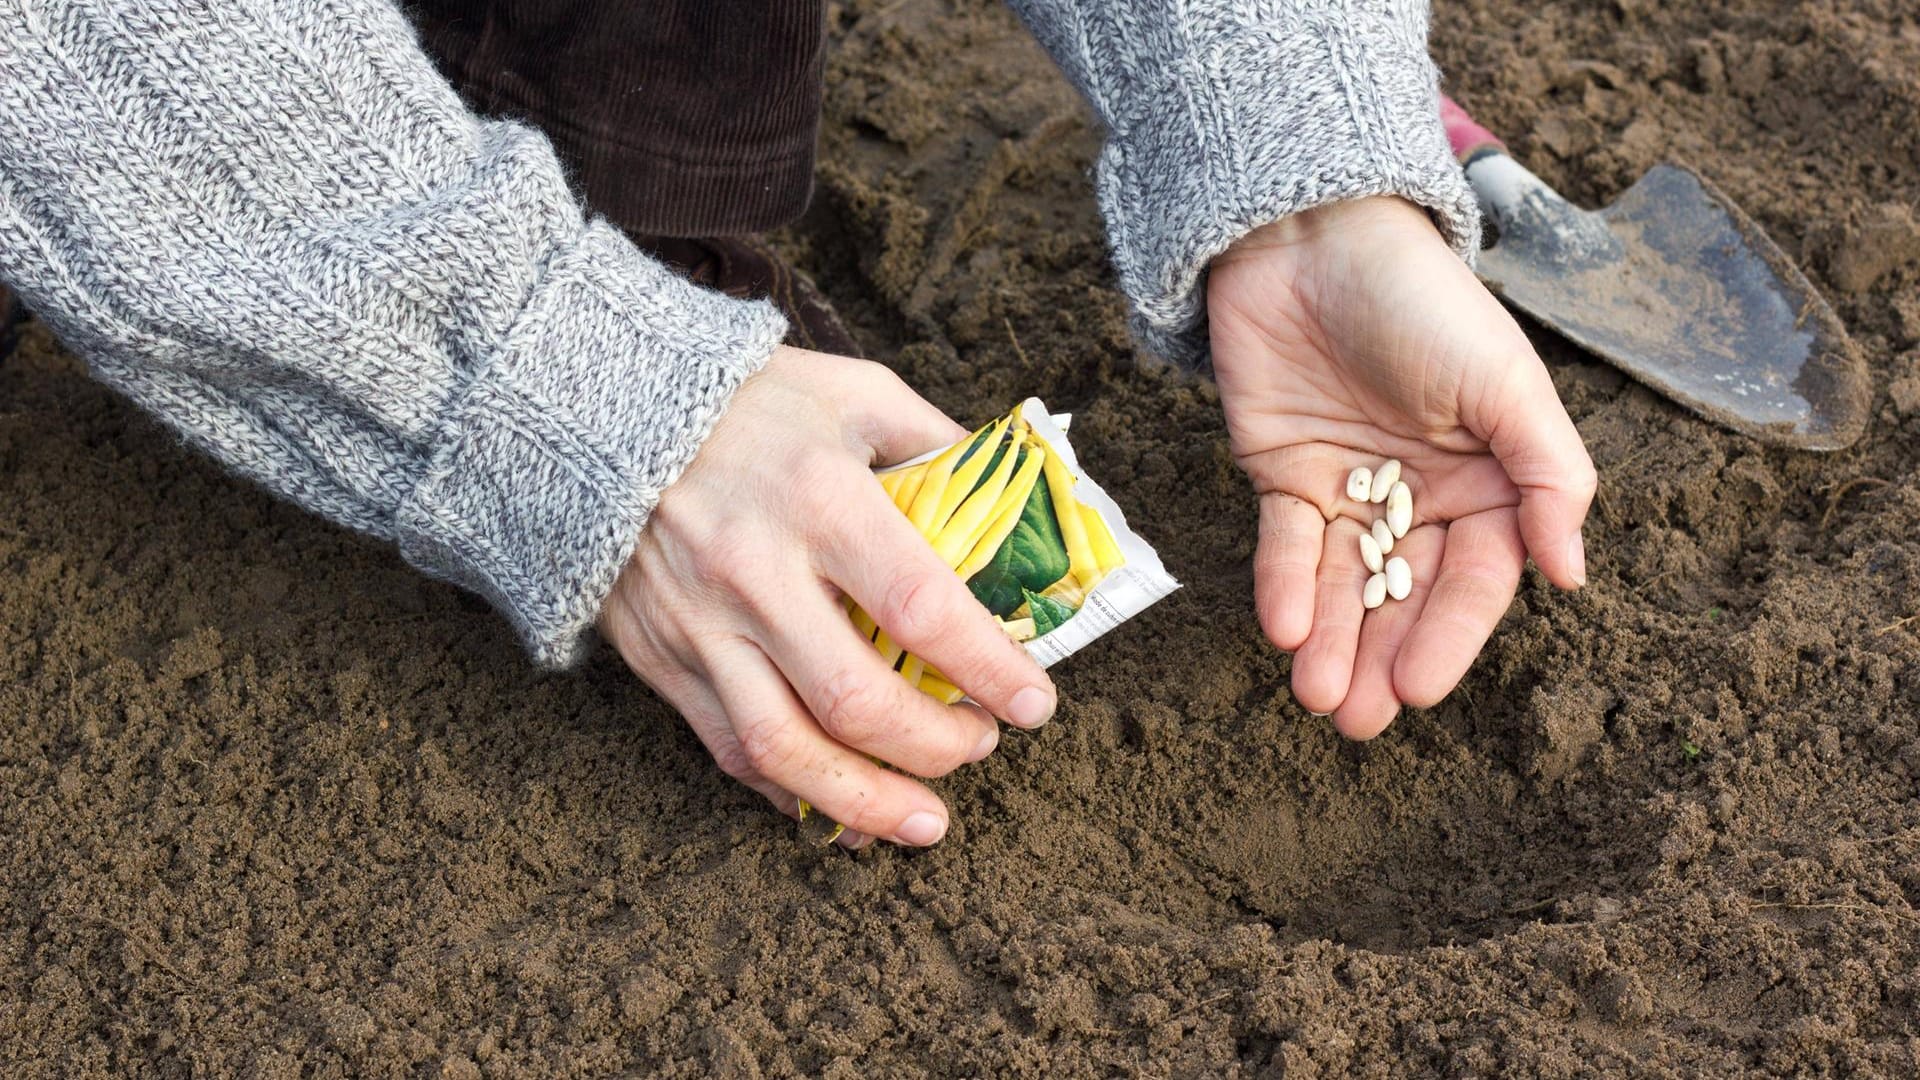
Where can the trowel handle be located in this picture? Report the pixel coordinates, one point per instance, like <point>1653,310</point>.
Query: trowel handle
<point>1504,187</point>
<point>1468,139</point>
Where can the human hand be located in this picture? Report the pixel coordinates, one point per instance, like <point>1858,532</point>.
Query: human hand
<point>731,607</point>
<point>1350,334</point>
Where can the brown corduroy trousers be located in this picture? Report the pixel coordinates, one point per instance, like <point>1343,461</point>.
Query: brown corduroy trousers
<point>678,117</point>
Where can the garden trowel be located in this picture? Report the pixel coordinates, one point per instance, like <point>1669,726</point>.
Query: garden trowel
<point>1675,286</point>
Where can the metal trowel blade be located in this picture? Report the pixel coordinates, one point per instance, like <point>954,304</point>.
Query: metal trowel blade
<point>1677,287</point>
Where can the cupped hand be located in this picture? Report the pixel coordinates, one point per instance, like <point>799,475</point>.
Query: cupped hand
<point>1350,334</point>
<point>732,607</point>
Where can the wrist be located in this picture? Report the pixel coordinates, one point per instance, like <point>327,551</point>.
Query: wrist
<point>1333,222</point>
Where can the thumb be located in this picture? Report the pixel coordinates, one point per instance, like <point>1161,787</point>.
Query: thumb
<point>896,423</point>
<point>1521,418</point>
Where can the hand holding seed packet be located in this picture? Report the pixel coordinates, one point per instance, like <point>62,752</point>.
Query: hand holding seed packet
<point>1040,546</point>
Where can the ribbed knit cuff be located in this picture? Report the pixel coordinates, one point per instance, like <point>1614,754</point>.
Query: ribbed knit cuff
<point>549,464</point>
<point>1242,124</point>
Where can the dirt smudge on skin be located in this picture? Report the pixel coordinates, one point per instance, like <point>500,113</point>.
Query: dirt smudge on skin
<point>276,806</point>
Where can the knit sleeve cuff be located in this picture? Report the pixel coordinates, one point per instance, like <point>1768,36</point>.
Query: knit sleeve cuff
<point>1248,120</point>
<point>548,465</point>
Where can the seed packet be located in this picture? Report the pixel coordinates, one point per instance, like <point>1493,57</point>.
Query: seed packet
<point>1039,544</point>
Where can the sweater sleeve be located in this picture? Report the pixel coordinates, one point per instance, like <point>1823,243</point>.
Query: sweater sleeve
<point>271,223</point>
<point>1225,115</point>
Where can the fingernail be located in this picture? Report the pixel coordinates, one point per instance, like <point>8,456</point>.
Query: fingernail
<point>1577,559</point>
<point>921,829</point>
<point>987,742</point>
<point>1030,707</point>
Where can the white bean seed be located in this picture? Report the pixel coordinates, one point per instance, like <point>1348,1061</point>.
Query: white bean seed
<point>1383,536</point>
<point>1375,593</point>
<point>1399,578</point>
<point>1399,509</point>
<point>1370,552</point>
<point>1360,484</point>
<point>1384,480</point>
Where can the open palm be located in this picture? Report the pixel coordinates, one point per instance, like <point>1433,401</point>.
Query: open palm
<point>1348,335</point>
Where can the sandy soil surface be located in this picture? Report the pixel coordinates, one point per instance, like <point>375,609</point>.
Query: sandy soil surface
<point>271,805</point>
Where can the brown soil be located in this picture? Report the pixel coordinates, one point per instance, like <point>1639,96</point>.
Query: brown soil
<point>274,806</point>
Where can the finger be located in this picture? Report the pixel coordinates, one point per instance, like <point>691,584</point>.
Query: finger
<point>780,741</point>
<point>691,697</point>
<point>1371,703</point>
<point>1323,666</point>
<point>877,557</point>
<point>1291,533</point>
<point>1465,486</point>
<point>700,708</point>
<point>1474,586</point>
<point>891,422</point>
<point>862,702</point>
<point>1316,473</point>
<point>709,723</point>
<point>676,675</point>
<point>1528,429</point>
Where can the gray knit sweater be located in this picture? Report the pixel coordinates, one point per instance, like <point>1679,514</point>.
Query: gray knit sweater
<point>271,223</point>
